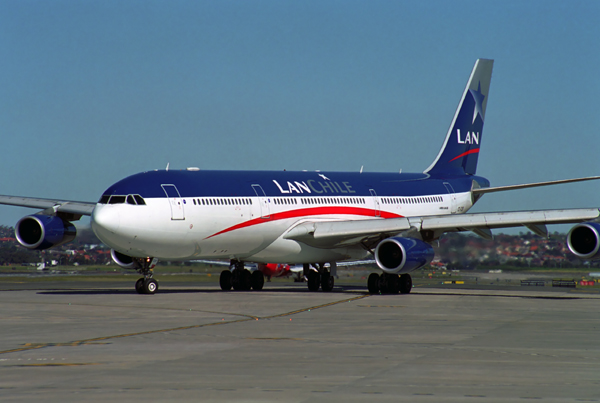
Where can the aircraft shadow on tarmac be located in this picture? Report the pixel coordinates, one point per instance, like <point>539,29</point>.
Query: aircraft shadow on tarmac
<point>107,291</point>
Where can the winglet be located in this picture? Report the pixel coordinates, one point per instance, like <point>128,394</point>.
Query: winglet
<point>460,151</point>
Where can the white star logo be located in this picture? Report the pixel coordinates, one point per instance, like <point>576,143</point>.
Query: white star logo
<point>478,97</point>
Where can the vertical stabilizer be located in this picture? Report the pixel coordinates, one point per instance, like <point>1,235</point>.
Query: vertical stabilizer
<point>460,151</point>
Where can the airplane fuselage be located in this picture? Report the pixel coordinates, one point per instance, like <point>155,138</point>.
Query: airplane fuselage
<point>192,214</point>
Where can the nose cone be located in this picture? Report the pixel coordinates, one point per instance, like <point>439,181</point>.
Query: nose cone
<point>106,222</point>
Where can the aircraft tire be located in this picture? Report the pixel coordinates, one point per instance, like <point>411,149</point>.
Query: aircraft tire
<point>314,280</point>
<point>139,286</point>
<point>327,281</point>
<point>257,280</point>
<point>393,283</point>
<point>383,284</point>
<point>150,286</point>
<point>373,283</point>
<point>246,280</point>
<point>225,280</point>
<point>405,284</point>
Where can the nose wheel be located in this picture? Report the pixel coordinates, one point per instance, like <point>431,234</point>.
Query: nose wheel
<point>146,284</point>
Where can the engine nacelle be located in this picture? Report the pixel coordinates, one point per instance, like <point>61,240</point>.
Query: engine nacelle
<point>122,260</point>
<point>402,255</point>
<point>40,231</point>
<point>584,240</point>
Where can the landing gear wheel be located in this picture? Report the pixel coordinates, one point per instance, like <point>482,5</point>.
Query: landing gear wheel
<point>150,286</point>
<point>241,280</point>
<point>139,286</point>
<point>327,281</point>
<point>373,283</point>
<point>405,284</point>
<point>225,280</point>
<point>246,280</point>
<point>382,284</point>
<point>393,283</point>
<point>313,280</point>
<point>257,280</point>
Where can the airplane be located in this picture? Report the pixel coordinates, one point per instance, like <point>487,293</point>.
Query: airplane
<point>313,219</point>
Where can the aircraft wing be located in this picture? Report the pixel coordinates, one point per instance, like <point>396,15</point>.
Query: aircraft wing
<point>532,185</point>
<point>50,206</point>
<point>330,234</point>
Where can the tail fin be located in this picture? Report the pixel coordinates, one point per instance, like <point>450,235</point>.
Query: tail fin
<point>460,151</point>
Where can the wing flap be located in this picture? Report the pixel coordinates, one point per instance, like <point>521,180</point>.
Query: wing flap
<point>330,234</point>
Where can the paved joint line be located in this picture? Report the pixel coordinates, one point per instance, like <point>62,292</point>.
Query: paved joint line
<point>30,346</point>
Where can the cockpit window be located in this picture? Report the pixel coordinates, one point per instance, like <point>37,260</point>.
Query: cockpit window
<point>116,200</point>
<point>140,200</point>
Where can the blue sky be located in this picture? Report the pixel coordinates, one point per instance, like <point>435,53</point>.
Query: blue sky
<point>93,91</point>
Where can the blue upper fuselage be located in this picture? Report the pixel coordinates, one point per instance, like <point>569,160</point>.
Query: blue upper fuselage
<point>198,183</point>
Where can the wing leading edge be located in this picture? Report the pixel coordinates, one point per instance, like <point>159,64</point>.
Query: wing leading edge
<point>51,206</point>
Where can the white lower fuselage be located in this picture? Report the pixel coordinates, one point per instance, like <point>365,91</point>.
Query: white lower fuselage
<point>250,228</point>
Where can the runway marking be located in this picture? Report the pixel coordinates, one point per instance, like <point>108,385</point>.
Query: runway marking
<point>147,307</point>
<point>35,346</point>
<point>58,364</point>
<point>381,306</point>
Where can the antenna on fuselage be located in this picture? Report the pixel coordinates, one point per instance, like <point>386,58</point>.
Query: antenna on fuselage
<point>361,168</point>
<point>167,166</point>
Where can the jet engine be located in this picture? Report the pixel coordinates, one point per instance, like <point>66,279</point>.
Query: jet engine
<point>402,255</point>
<point>40,231</point>
<point>584,240</point>
<point>122,260</point>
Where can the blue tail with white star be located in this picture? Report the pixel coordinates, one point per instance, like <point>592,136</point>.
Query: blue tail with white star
<point>460,151</point>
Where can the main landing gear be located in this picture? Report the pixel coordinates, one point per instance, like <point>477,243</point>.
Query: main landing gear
<point>241,279</point>
<point>146,284</point>
<point>387,283</point>
<point>320,276</point>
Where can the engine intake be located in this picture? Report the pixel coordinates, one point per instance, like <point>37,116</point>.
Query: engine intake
<point>122,260</point>
<point>44,231</point>
<point>584,240</point>
<point>402,255</point>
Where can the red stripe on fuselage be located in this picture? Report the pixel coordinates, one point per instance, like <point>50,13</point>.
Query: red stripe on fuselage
<point>312,211</point>
<point>474,151</point>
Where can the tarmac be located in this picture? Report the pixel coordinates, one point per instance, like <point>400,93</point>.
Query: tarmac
<point>101,341</point>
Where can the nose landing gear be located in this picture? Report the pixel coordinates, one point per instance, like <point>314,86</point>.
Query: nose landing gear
<point>146,284</point>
